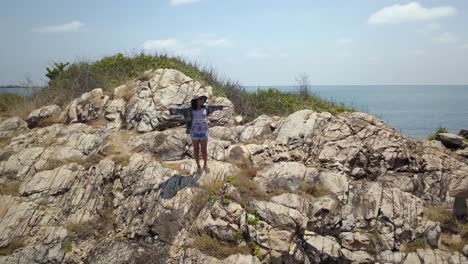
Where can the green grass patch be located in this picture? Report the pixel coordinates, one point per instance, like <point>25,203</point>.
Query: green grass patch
<point>439,130</point>
<point>80,77</point>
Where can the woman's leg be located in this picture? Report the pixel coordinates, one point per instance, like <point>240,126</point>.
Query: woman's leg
<point>204,151</point>
<point>196,151</point>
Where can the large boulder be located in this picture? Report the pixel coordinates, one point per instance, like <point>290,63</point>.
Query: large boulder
<point>451,140</point>
<point>12,126</point>
<point>44,116</point>
<point>89,106</point>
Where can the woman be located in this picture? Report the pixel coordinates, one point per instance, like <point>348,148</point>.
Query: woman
<point>197,125</point>
<point>199,130</point>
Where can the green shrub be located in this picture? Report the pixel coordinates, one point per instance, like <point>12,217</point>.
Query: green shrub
<point>56,71</point>
<point>253,220</point>
<point>69,81</point>
<point>226,201</point>
<point>233,180</point>
<point>439,130</point>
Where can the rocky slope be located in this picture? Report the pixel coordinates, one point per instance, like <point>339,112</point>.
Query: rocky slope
<point>111,179</point>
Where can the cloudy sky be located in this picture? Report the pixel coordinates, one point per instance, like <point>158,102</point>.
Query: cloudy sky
<point>257,42</point>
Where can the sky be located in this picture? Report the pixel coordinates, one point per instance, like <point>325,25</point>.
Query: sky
<point>255,42</point>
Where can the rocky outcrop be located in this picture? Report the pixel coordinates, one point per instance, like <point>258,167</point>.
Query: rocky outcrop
<point>111,179</point>
<point>451,140</point>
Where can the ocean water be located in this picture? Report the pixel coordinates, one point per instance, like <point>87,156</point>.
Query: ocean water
<point>415,110</point>
<point>26,91</point>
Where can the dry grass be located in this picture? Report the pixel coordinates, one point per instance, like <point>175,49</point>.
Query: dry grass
<point>11,248</point>
<point>442,215</point>
<point>117,147</point>
<point>247,187</point>
<point>99,122</point>
<point>206,194</point>
<point>315,190</point>
<point>82,230</point>
<point>216,248</point>
<point>414,245</point>
<point>4,142</point>
<point>10,187</point>
<point>67,245</point>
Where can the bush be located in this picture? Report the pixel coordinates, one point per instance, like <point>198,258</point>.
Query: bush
<point>80,77</point>
<point>439,130</point>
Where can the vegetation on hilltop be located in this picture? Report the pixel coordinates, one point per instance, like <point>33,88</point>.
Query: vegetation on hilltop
<point>71,80</point>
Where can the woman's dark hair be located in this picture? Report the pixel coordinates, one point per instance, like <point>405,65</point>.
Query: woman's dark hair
<point>194,104</point>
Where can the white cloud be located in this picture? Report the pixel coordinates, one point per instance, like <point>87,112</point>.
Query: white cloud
<point>266,53</point>
<point>344,41</point>
<point>259,54</point>
<point>182,2</point>
<point>433,27</point>
<point>213,41</point>
<point>72,26</point>
<point>417,52</point>
<point>410,12</point>
<point>171,46</point>
<point>446,38</point>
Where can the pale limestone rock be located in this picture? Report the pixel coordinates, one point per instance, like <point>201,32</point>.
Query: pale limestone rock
<point>321,248</point>
<point>88,107</point>
<point>279,216</point>
<point>281,176</point>
<point>355,241</point>
<point>12,126</point>
<point>291,200</point>
<point>38,116</point>
<point>297,126</point>
<point>357,256</point>
<point>52,182</point>
<point>258,129</point>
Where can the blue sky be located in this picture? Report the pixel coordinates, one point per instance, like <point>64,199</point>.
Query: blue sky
<point>257,42</point>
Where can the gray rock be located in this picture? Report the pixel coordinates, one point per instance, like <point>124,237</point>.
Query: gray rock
<point>322,249</point>
<point>464,133</point>
<point>87,107</point>
<point>12,126</point>
<point>281,176</point>
<point>44,116</point>
<point>451,140</point>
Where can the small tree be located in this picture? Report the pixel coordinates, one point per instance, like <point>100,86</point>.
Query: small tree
<point>58,69</point>
<point>303,85</point>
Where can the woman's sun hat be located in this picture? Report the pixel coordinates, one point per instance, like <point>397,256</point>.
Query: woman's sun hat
<point>200,95</point>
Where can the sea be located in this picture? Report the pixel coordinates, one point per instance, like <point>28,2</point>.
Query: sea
<point>415,110</point>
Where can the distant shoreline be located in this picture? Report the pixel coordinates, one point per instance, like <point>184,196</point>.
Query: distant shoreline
<point>18,87</point>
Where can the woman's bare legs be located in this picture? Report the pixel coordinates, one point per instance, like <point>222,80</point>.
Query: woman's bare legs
<point>204,151</point>
<point>196,151</point>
